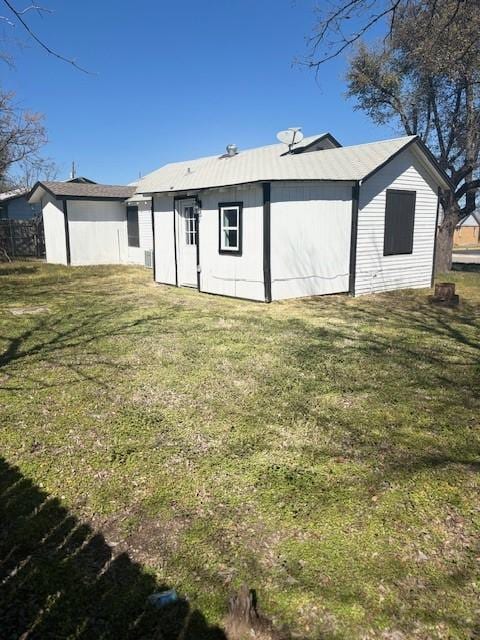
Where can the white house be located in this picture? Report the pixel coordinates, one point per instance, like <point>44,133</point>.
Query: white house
<point>89,223</point>
<point>274,223</point>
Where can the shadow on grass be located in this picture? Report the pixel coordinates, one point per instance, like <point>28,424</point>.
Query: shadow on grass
<point>470,267</point>
<point>18,271</point>
<point>60,579</point>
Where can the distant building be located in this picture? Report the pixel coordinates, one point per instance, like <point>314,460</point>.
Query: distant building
<point>468,231</point>
<point>15,206</point>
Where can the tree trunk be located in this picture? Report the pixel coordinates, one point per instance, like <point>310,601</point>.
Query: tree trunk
<point>445,231</point>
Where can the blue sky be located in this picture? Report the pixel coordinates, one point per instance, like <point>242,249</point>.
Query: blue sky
<point>174,80</point>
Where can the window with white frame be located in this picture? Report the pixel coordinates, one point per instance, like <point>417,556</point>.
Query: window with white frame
<point>230,227</point>
<point>191,225</point>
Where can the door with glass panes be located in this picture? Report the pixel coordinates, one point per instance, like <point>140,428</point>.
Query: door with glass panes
<point>187,238</point>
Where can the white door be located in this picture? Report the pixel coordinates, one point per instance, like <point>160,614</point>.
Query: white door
<point>187,237</point>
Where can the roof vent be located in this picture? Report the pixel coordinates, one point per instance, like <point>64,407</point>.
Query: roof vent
<point>232,150</point>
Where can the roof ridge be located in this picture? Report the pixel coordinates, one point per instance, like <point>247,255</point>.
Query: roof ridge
<point>270,146</point>
<point>241,151</point>
<point>83,184</point>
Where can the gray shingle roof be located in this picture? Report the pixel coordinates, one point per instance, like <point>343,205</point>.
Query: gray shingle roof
<point>86,190</point>
<point>271,163</point>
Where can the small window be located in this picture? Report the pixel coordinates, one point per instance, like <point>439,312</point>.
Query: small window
<point>230,227</point>
<point>132,227</point>
<point>399,222</point>
<point>191,225</point>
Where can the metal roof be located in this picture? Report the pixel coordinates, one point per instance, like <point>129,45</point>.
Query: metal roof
<point>79,190</point>
<point>270,163</point>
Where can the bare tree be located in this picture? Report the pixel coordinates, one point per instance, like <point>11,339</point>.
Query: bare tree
<point>425,77</point>
<point>22,136</point>
<point>342,23</point>
<point>29,172</point>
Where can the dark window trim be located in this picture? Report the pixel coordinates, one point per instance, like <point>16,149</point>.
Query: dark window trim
<point>402,191</point>
<point>434,257</point>
<point>67,233</point>
<point>199,269</point>
<point>152,215</point>
<point>133,246</point>
<point>354,238</point>
<point>226,205</point>
<point>267,261</point>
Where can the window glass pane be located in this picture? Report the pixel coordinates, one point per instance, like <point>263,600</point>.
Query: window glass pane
<point>132,227</point>
<point>230,217</point>
<point>190,226</point>
<point>231,238</point>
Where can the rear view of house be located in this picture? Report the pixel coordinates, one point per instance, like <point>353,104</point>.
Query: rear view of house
<point>276,222</point>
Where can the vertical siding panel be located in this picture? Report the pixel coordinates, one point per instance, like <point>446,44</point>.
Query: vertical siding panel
<point>54,229</point>
<point>311,227</point>
<point>98,232</point>
<point>164,241</point>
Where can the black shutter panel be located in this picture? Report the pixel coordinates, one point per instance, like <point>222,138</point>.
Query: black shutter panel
<point>399,222</point>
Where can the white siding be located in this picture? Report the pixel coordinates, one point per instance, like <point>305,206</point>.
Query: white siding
<point>310,238</point>
<point>54,229</point>
<point>98,232</point>
<point>136,255</point>
<point>164,243</point>
<point>233,275</point>
<point>374,271</point>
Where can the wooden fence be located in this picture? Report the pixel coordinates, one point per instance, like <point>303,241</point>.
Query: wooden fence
<point>21,239</point>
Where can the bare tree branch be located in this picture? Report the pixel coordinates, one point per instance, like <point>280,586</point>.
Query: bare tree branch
<point>19,16</point>
<point>467,187</point>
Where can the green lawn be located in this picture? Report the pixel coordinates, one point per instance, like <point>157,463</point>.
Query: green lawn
<point>325,451</point>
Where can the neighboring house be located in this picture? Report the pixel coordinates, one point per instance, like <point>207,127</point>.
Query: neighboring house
<point>468,231</point>
<point>87,223</point>
<point>266,224</point>
<point>14,205</point>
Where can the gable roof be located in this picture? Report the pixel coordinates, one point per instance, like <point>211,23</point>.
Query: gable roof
<point>473,220</point>
<point>81,191</point>
<point>270,163</point>
<point>312,141</point>
<point>81,179</point>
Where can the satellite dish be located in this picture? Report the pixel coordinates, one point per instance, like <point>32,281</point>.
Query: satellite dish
<point>290,136</point>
